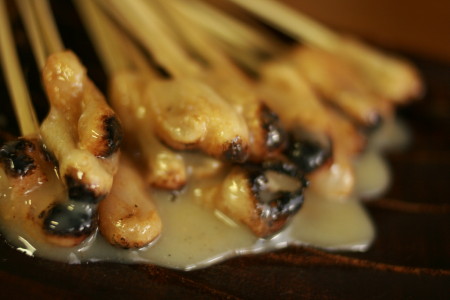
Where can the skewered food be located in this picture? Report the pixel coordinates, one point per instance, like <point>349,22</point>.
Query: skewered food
<point>33,190</point>
<point>226,152</point>
<point>188,114</point>
<point>164,167</point>
<point>128,216</point>
<point>83,134</point>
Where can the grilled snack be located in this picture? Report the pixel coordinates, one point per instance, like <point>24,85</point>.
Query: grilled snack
<point>128,216</point>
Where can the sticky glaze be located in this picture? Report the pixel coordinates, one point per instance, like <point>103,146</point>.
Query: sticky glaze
<point>194,236</point>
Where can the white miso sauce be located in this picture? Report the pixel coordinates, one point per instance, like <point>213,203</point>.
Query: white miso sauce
<point>194,236</point>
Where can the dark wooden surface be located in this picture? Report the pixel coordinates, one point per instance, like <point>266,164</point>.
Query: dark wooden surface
<point>410,258</point>
<point>417,26</point>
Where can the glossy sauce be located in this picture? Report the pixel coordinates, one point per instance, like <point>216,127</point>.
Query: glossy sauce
<point>194,236</point>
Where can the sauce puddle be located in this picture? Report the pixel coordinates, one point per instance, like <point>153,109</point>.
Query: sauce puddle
<point>195,237</point>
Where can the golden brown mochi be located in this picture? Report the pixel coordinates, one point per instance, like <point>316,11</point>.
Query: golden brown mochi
<point>342,85</point>
<point>188,114</point>
<point>260,198</point>
<point>127,216</point>
<point>30,188</point>
<point>390,77</point>
<point>244,198</point>
<point>265,132</point>
<point>299,108</point>
<point>164,168</point>
<point>291,97</point>
<point>81,130</point>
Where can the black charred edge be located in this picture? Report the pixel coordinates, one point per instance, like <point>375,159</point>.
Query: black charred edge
<point>81,192</point>
<point>275,134</point>
<point>234,151</point>
<point>14,157</point>
<point>113,135</point>
<point>77,222</point>
<point>307,154</point>
<point>284,203</point>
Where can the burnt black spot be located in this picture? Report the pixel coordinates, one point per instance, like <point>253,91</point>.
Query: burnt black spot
<point>113,135</point>
<point>281,204</point>
<point>275,134</point>
<point>81,192</point>
<point>234,151</point>
<point>15,158</point>
<point>69,219</point>
<point>308,151</point>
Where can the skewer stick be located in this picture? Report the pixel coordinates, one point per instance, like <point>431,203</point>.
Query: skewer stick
<point>292,22</point>
<point>104,40</point>
<point>34,34</point>
<point>23,106</point>
<point>115,49</point>
<point>391,77</point>
<point>48,26</point>
<point>193,35</point>
<point>225,27</point>
<point>145,25</point>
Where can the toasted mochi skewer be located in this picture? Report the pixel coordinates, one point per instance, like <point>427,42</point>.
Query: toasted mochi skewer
<point>357,79</point>
<point>293,98</point>
<point>38,199</point>
<point>262,197</point>
<point>267,138</point>
<point>340,84</point>
<point>77,167</point>
<point>83,135</point>
<point>88,133</point>
<point>189,114</point>
<point>183,120</point>
<point>128,73</point>
<point>31,188</point>
<point>70,91</point>
<point>334,137</point>
<point>392,78</point>
<point>286,92</point>
<point>128,216</point>
<point>164,167</point>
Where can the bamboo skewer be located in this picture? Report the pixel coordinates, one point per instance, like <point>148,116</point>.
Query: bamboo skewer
<point>104,39</point>
<point>292,22</point>
<point>141,21</point>
<point>194,37</point>
<point>117,51</point>
<point>224,27</point>
<point>48,27</point>
<point>391,77</point>
<point>23,106</point>
<point>40,28</point>
<point>34,34</point>
<point>242,42</point>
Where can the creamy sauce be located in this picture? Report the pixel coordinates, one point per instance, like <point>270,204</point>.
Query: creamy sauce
<point>195,237</point>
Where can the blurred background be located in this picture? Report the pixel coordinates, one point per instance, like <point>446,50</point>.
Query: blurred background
<point>417,27</point>
<point>411,26</point>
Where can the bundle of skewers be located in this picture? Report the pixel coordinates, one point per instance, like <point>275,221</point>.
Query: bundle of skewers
<point>196,94</point>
